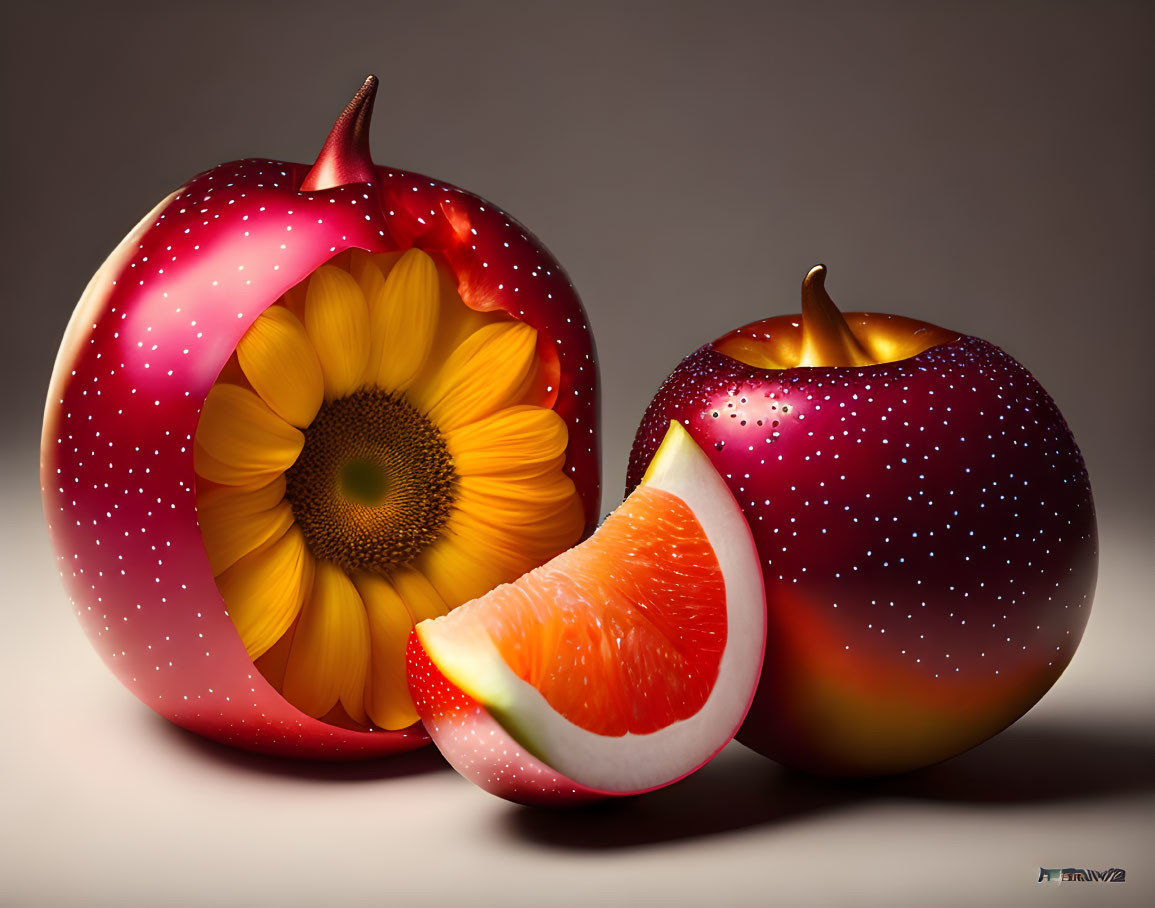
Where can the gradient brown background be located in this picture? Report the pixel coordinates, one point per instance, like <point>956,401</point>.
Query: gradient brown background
<point>985,166</point>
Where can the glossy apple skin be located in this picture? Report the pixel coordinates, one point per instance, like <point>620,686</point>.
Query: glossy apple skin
<point>928,542</point>
<point>147,340</point>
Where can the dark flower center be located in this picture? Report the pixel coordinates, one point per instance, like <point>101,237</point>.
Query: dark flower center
<point>373,485</point>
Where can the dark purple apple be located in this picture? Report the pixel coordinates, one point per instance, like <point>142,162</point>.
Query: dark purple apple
<point>924,520</point>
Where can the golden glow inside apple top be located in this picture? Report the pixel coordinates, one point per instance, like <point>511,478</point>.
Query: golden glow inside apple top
<point>824,336</point>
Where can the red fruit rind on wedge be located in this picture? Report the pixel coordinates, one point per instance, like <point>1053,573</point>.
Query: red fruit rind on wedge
<point>509,734</point>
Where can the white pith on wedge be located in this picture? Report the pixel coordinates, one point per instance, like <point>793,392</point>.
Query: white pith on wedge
<point>460,646</point>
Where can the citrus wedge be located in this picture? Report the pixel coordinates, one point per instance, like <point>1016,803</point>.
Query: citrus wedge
<point>618,667</point>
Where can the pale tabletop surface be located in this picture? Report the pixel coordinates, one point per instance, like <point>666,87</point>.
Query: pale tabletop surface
<point>104,803</point>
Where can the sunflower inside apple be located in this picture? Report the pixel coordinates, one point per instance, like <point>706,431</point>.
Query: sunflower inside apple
<point>298,409</point>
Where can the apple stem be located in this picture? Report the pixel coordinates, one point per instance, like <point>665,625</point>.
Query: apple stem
<point>826,338</point>
<point>345,156</point>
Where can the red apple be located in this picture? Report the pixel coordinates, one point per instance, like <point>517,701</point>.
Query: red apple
<point>924,520</point>
<point>152,331</point>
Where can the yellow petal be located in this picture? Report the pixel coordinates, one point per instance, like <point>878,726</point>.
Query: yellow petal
<point>294,299</point>
<point>493,368</point>
<point>243,439</point>
<point>418,594</point>
<point>387,697</point>
<point>238,520</point>
<point>456,320</point>
<point>279,361</point>
<point>208,467</point>
<point>337,321</point>
<point>367,273</point>
<point>456,574</point>
<point>272,663</point>
<point>371,269</point>
<point>519,502</point>
<point>489,533</point>
<point>515,522</point>
<point>511,440</point>
<point>403,314</point>
<point>265,589</point>
<point>371,279</point>
<point>330,653</point>
<point>232,373</point>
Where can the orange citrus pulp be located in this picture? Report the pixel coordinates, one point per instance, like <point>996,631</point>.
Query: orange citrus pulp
<point>624,633</point>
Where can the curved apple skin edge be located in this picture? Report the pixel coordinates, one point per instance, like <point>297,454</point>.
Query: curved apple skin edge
<point>498,731</point>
